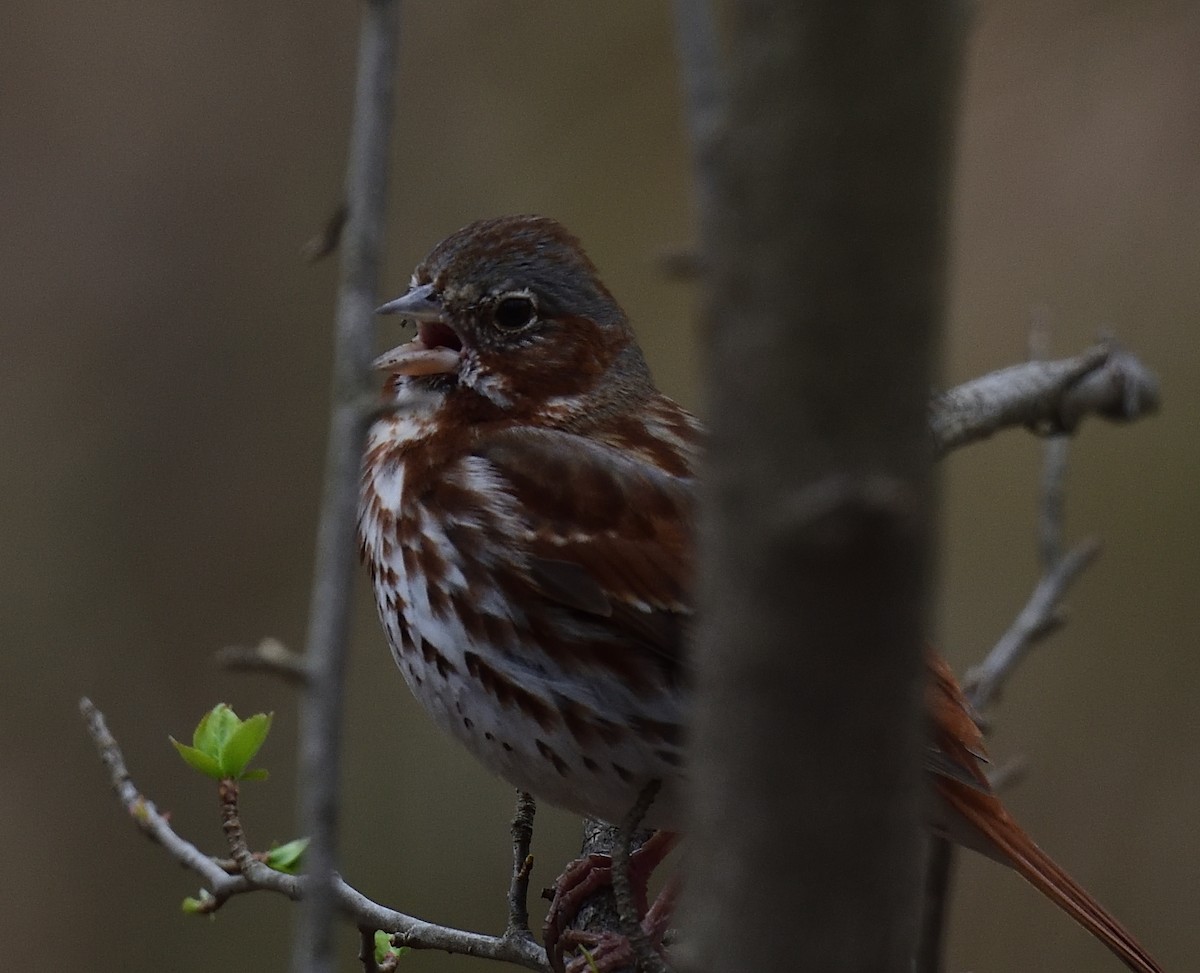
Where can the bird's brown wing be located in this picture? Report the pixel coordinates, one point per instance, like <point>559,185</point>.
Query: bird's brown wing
<point>607,536</point>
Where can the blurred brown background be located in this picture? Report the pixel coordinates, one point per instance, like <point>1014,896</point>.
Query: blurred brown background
<point>164,383</point>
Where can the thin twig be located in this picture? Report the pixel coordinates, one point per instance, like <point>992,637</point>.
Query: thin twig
<point>1052,509</point>
<point>1040,616</point>
<point>518,889</point>
<point>144,814</point>
<point>231,823</point>
<point>366,952</point>
<point>1042,613</point>
<point>648,959</point>
<point>935,904</point>
<point>1047,396</point>
<point>322,243</point>
<point>257,876</point>
<point>698,48</point>
<point>270,656</point>
<point>330,606</point>
<point>1052,516</point>
<point>939,873</point>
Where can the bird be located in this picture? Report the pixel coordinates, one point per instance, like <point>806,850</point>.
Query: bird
<point>528,520</point>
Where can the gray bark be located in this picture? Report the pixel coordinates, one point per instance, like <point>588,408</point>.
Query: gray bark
<point>826,270</point>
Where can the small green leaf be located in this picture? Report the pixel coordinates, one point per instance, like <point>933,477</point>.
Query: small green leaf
<point>198,760</point>
<point>384,950</point>
<point>214,729</point>
<point>223,745</point>
<point>243,742</point>
<point>198,906</point>
<point>287,858</point>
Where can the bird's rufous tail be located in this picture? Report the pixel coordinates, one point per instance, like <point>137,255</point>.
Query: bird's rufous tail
<point>968,797</point>
<point>987,816</point>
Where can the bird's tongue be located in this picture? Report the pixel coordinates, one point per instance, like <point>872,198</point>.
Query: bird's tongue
<point>434,351</point>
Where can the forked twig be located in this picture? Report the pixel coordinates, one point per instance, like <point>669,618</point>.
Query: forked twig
<point>1106,380</point>
<point>254,875</point>
<point>1041,615</point>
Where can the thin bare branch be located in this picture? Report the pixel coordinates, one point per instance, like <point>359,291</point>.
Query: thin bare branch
<point>939,874</point>
<point>254,875</point>
<point>935,905</point>
<point>518,889</point>
<point>1039,617</point>
<point>366,950</point>
<point>1052,516</point>
<point>143,812</point>
<point>1052,510</point>
<point>231,823</point>
<point>698,48</point>
<point>330,605</point>
<point>1047,396</point>
<point>325,241</point>
<point>270,656</point>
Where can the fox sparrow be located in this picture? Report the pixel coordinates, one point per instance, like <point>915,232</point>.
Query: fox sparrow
<point>527,518</point>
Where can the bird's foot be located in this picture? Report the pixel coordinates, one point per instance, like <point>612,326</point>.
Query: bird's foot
<point>580,881</point>
<point>606,952</point>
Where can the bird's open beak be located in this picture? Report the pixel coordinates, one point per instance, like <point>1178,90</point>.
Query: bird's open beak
<point>435,348</point>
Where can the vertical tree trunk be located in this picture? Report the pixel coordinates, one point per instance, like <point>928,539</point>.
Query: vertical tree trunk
<point>826,270</point>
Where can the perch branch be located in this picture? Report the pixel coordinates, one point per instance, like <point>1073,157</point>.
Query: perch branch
<point>254,875</point>
<point>648,960</point>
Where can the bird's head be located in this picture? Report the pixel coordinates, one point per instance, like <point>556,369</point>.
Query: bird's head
<point>512,312</point>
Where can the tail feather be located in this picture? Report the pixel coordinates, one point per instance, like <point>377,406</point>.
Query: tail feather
<point>978,819</point>
<point>986,815</point>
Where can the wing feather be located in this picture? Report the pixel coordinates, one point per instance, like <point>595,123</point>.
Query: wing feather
<point>608,534</point>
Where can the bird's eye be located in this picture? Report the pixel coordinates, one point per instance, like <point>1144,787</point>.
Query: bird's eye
<point>514,312</point>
